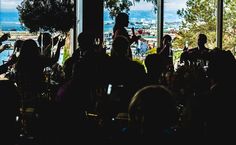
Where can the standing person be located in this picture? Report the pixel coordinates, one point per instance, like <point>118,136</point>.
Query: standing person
<point>160,62</point>
<point>126,76</point>
<point>121,22</point>
<point>201,52</point>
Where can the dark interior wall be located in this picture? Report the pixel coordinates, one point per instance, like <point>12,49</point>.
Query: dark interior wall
<point>93,17</point>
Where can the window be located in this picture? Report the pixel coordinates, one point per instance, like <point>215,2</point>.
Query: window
<point>229,26</point>
<point>185,19</point>
<point>143,19</point>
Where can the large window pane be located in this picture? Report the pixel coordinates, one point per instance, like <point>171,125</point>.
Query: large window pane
<point>9,23</point>
<point>185,19</point>
<point>229,26</point>
<point>143,19</point>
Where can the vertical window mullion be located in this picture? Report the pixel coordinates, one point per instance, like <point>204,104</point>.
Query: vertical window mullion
<point>219,25</point>
<point>160,21</point>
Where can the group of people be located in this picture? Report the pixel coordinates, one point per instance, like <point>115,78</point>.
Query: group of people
<point>151,98</point>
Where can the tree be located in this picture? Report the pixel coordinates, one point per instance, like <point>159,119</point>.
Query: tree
<point>49,15</point>
<point>200,17</point>
<point>229,28</point>
<point>116,6</point>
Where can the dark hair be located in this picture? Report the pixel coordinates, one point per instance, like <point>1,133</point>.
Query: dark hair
<point>222,66</point>
<point>167,37</point>
<point>85,39</point>
<point>150,101</point>
<point>17,45</point>
<point>120,21</point>
<point>121,17</point>
<point>202,37</point>
<point>29,53</point>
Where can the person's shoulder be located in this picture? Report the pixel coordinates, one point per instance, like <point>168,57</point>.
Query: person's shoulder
<point>192,50</point>
<point>151,56</point>
<point>136,63</point>
<point>207,49</point>
<point>121,31</point>
<point>138,67</point>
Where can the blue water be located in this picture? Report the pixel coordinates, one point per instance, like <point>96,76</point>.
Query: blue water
<point>10,21</point>
<point>5,55</point>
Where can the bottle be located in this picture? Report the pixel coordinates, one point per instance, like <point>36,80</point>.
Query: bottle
<point>186,44</point>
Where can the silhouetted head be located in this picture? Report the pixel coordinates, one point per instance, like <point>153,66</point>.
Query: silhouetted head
<point>167,40</point>
<point>122,20</point>
<point>152,108</point>
<point>30,49</point>
<point>165,45</point>
<point>17,45</point>
<point>222,66</point>
<point>202,40</point>
<point>120,47</point>
<point>85,40</point>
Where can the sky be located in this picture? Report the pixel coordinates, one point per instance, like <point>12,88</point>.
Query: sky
<point>170,5</point>
<point>9,5</point>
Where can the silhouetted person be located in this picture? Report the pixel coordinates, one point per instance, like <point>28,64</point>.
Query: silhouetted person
<point>13,58</point>
<point>201,52</point>
<point>152,114</point>
<point>30,66</point>
<point>184,55</point>
<point>126,76</point>
<point>221,104</point>
<point>121,22</point>
<point>160,62</point>
<point>17,46</point>
<point>77,96</point>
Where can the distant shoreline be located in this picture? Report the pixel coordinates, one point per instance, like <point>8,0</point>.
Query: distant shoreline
<point>15,35</point>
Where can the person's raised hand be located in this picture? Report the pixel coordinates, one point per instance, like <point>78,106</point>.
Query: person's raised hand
<point>5,37</point>
<point>61,42</point>
<point>135,38</point>
<point>55,39</point>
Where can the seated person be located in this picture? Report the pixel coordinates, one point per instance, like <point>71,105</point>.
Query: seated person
<point>152,114</point>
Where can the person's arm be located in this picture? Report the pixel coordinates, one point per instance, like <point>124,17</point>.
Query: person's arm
<point>134,38</point>
<point>4,47</point>
<point>124,33</point>
<point>4,67</point>
<point>55,57</point>
<point>4,37</point>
